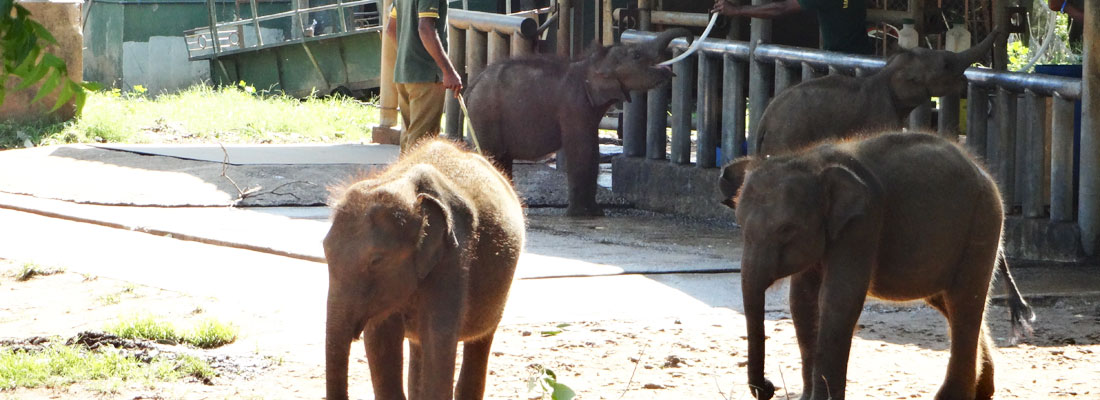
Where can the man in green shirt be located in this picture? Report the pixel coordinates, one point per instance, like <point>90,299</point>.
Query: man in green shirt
<point>422,72</point>
<point>843,22</point>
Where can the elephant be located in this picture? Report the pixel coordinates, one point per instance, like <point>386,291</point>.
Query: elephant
<point>838,106</point>
<point>424,250</point>
<point>898,216</point>
<point>527,108</point>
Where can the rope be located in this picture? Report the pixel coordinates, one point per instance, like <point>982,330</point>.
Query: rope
<point>470,126</point>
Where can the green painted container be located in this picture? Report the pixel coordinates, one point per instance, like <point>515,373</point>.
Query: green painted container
<point>141,42</point>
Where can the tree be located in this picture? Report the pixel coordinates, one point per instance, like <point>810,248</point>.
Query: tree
<point>22,47</point>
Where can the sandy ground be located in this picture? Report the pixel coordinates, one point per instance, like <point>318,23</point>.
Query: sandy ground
<point>899,352</point>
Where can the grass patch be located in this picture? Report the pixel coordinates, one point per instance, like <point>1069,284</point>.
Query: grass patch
<point>207,334</point>
<point>202,114</point>
<point>58,365</point>
<point>31,270</point>
<point>211,333</point>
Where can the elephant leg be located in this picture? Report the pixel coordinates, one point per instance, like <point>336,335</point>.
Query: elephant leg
<point>416,363</point>
<point>986,387</point>
<point>438,324</point>
<point>965,304</point>
<point>805,288</point>
<point>582,167</point>
<point>475,365</point>
<point>385,355</point>
<point>845,280</point>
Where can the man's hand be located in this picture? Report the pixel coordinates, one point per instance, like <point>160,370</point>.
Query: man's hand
<point>452,81</point>
<point>724,7</point>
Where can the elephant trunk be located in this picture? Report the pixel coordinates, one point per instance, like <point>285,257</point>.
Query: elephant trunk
<point>340,329</point>
<point>752,289</point>
<point>964,59</point>
<point>657,47</point>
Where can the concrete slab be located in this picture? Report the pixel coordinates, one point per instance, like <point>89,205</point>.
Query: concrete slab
<point>298,287</point>
<point>246,154</point>
<point>297,232</point>
<point>95,175</point>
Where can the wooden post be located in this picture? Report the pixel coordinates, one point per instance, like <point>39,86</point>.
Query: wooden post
<point>1088,211</point>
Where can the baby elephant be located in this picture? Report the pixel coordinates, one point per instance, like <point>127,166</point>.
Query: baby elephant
<point>900,216</point>
<point>424,250</point>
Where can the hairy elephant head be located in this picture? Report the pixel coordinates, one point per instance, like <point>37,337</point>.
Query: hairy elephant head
<point>614,71</point>
<point>919,74</point>
<point>789,209</point>
<point>385,238</point>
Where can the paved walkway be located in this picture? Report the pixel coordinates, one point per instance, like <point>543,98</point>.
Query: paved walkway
<point>159,216</point>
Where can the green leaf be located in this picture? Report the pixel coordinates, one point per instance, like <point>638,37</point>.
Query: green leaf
<point>51,83</point>
<point>78,101</point>
<point>562,392</point>
<point>36,75</point>
<point>41,32</point>
<point>92,86</point>
<point>67,93</point>
<point>5,9</point>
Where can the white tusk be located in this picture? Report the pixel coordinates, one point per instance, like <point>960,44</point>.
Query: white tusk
<point>698,42</point>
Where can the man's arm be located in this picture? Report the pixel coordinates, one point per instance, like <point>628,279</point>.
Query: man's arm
<point>768,11</point>
<point>428,36</point>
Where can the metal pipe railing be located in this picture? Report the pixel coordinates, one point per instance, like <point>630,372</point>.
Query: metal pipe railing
<point>1013,142</point>
<point>296,11</point>
<point>489,22</point>
<point>478,39</point>
<point>1069,88</point>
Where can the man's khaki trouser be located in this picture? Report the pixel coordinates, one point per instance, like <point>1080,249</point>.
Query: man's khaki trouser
<point>421,106</point>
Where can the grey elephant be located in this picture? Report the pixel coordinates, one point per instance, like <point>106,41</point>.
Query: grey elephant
<point>527,108</point>
<point>898,216</point>
<point>838,106</point>
<point>424,250</point>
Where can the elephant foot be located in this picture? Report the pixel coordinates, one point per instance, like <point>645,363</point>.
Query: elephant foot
<point>763,391</point>
<point>584,211</point>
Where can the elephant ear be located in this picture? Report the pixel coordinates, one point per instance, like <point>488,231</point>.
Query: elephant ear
<point>733,176</point>
<point>847,198</point>
<point>437,235</point>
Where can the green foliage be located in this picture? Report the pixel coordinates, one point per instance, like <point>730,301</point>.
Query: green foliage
<point>1060,51</point>
<point>207,334</point>
<point>211,333</point>
<point>144,327</point>
<point>545,383</point>
<point>559,328</point>
<point>22,46</point>
<point>58,365</point>
<point>234,114</point>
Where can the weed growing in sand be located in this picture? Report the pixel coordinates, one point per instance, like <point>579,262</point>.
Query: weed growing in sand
<point>59,365</point>
<point>31,270</point>
<point>144,327</point>
<point>207,334</point>
<point>544,384</point>
<point>211,333</point>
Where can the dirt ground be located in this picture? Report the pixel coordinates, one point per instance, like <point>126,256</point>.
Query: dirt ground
<point>899,352</point>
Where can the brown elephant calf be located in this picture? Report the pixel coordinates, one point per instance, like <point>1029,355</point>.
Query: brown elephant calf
<point>425,250</point>
<point>900,216</point>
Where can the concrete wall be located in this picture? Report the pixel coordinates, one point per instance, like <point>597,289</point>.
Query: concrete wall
<point>62,19</point>
<point>659,185</point>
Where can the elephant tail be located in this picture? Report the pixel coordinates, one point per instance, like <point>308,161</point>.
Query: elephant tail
<point>1022,315</point>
